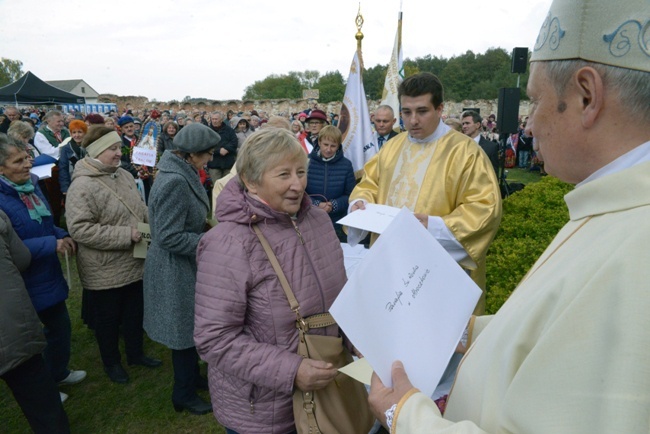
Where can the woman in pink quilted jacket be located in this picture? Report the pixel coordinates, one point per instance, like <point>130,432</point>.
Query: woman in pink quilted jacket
<point>244,328</point>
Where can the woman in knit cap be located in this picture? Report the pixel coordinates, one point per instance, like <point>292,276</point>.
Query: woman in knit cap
<point>178,207</point>
<point>103,211</point>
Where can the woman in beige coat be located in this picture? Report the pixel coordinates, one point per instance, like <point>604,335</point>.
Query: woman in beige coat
<point>103,209</point>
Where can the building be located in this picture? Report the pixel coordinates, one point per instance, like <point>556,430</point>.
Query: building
<point>77,87</point>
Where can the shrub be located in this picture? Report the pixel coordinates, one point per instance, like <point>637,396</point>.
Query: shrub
<point>531,219</point>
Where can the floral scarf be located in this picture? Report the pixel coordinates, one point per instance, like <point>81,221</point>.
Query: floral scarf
<point>37,209</point>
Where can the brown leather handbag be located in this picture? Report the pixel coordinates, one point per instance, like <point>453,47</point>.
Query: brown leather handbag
<point>342,406</point>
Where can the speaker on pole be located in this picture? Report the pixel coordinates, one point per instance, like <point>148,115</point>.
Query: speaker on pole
<point>519,60</point>
<point>508,110</point>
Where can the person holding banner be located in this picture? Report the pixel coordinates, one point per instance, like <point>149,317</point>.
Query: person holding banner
<point>178,207</point>
<point>440,175</point>
<point>103,211</point>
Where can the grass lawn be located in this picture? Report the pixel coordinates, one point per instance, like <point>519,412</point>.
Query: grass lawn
<point>97,405</point>
<point>524,176</point>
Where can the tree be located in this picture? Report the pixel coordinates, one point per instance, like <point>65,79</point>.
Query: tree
<point>466,76</point>
<point>307,78</point>
<point>275,87</point>
<point>331,87</point>
<point>373,81</point>
<point>10,71</point>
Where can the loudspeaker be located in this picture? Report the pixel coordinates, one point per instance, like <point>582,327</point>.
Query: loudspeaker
<point>519,60</point>
<point>508,114</point>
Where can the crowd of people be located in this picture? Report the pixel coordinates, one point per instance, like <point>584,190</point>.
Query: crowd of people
<point>225,277</point>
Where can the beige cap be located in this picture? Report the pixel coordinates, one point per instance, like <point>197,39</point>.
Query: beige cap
<point>610,32</point>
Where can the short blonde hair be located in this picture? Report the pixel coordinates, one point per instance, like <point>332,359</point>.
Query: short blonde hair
<point>331,133</point>
<point>264,150</point>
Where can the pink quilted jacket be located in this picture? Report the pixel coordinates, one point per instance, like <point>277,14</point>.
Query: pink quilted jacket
<point>244,328</point>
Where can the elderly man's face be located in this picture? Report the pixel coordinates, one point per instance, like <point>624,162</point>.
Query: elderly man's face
<point>55,123</point>
<point>553,126</point>
<point>384,121</point>
<point>12,114</point>
<point>128,129</point>
<point>216,120</point>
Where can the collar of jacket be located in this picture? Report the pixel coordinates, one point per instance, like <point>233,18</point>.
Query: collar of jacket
<point>49,135</point>
<point>171,163</point>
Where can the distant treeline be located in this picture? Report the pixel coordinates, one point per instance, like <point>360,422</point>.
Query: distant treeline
<point>468,76</point>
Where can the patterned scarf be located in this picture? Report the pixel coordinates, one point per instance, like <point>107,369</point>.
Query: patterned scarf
<point>35,206</point>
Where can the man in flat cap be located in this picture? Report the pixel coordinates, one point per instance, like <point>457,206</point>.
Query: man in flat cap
<point>568,352</point>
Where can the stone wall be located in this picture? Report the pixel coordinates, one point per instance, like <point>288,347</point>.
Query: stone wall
<point>283,106</point>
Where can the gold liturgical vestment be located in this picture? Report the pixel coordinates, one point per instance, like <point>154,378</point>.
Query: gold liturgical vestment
<point>451,178</point>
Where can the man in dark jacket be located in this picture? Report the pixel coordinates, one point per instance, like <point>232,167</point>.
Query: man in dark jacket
<point>226,150</point>
<point>384,121</point>
<point>471,122</point>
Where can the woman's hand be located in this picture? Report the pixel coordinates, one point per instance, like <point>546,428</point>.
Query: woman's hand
<point>326,206</point>
<point>314,375</point>
<point>136,236</point>
<point>66,245</point>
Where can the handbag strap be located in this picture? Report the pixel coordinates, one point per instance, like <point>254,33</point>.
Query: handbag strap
<point>119,198</point>
<point>304,324</point>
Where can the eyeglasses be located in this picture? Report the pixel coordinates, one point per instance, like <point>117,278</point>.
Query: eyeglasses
<point>315,123</point>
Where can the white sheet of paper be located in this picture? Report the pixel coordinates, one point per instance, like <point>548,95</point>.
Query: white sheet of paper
<point>144,156</point>
<point>43,172</point>
<point>375,218</point>
<point>408,300</point>
<point>352,257</point>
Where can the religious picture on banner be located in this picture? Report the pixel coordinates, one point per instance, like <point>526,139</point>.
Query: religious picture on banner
<point>145,151</point>
<point>149,136</point>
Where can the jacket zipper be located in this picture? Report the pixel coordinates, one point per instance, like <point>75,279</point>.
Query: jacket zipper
<point>325,186</point>
<point>311,263</point>
<point>295,226</point>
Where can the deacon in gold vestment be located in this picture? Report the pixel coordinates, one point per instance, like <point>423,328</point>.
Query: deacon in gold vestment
<point>568,352</point>
<point>441,175</point>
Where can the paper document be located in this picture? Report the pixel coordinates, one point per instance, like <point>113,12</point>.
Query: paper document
<point>407,300</point>
<point>360,370</point>
<point>140,249</point>
<point>375,218</point>
<point>43,172</point>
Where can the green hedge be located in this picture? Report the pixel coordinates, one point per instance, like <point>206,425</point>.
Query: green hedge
<point>531,219</point>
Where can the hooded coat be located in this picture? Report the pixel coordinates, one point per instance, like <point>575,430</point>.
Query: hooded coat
<point>101,224</point>
<point>244,327</point>
<point>241,135</point>
<point>178,208</point>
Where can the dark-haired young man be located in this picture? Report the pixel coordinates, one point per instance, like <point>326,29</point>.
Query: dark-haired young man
<point>439,174</point>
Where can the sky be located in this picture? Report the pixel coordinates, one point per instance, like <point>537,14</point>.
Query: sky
<point>214,49</point>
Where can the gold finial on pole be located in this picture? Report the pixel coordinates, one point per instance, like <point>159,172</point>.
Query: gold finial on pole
<point>359,35</point>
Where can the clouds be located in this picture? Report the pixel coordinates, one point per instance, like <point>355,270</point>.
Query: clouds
<point>214,49</point>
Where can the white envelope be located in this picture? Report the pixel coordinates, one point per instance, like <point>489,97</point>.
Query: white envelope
<point>407,300</point>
